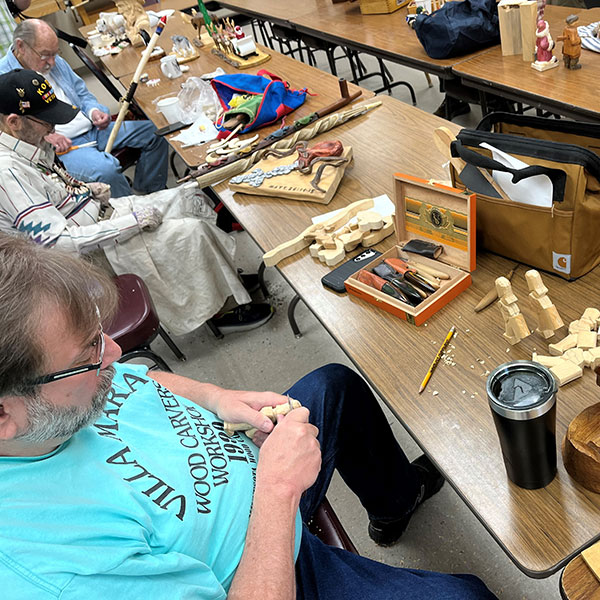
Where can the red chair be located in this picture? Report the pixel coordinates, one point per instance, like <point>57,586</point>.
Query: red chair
<point>327,527</point>
<point>136,323</point>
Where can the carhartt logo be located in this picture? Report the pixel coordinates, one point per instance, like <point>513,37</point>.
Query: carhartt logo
<point>561,262</point>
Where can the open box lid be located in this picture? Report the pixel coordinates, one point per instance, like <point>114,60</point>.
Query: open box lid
<point>436,213</point>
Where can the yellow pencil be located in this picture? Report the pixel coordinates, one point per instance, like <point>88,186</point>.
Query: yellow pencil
<point>436,360</point>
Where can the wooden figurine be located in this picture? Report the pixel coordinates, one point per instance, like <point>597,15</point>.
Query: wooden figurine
<point>136,19</point>
<point>544,45</point>
<point>547,316</point>
<point>515,326</point>
<point>571,50</point>
<point>565,344</point>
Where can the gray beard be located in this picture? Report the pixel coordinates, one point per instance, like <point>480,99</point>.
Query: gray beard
<point>47,421</point>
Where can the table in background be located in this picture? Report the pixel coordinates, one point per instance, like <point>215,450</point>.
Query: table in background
<point>539,529</point>
<point>559,90</point>
<point>384,36</point>
<point>324,86</point>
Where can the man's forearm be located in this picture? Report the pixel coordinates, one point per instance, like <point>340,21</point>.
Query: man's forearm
<point>266,571</point>
<point>201,393</point>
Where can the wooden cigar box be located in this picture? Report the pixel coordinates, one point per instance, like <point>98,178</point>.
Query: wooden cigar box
<point>436,213</point>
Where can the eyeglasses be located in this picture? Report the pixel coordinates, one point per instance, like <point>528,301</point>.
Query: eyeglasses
<point>98,344</point>
<point>42,57</point>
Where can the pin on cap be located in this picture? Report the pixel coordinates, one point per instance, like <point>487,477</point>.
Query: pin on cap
<point>26,93</point>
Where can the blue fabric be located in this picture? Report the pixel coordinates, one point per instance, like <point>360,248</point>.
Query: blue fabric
<point>278,99</point>
<point>152,501</point>
<point>357,440</point>
<point>459,28</point>
<point>93,164</point>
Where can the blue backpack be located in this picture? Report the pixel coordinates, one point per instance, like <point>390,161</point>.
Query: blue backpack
<point>459,28</point>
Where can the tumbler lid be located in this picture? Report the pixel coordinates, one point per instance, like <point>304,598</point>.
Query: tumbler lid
<point>521,390</point>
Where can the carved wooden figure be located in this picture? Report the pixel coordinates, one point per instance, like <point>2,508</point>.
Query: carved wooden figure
<point>515,326</point>
<point>547,316</point>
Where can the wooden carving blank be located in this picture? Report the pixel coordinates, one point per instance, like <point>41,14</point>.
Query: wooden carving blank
<point>295,185</point>
<point>591,556</point>
<point>581,448</point>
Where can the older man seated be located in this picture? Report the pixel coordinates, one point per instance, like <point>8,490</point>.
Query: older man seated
<point>35,47</point>
<point>186,261</point>
<point>117,482</point>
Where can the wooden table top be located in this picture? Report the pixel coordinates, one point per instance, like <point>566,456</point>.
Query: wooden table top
<point>125,63</point>
<point>387,35</point>
<point>324,86</point>
<point>578,581</point>
<point>539,529</point>
<point>573,93</point>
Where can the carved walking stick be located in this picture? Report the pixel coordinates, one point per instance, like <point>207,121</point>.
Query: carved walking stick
<point>126,100</point>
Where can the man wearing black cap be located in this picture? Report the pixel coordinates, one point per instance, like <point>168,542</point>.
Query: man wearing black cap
<point>35,47</point>
<point>39,198</point>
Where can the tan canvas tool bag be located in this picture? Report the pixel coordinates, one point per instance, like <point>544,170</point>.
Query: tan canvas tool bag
<point>563,239</point>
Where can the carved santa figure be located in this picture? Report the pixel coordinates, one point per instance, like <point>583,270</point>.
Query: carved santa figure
<point>544,44</point>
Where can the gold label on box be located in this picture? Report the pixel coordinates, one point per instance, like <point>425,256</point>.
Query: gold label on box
<point>438,223</point>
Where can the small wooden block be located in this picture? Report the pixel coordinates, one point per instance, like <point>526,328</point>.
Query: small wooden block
<point>581,325</point>
<point>591,556</point>
<point>332,257</point>
<point>546,361</point>
<point>587,339</point>
<point>329,242</point>
<point>314,249</point>
<point>370,239</point>
<point>592,357</point>
<point>566,372</point>
<point>593,314</point>
<point>575,355</point>
<point>369,220</point>
<point>565,344</point>
<point>351,239</point>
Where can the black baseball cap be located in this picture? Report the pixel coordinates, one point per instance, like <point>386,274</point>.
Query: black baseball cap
<point>25,92</point>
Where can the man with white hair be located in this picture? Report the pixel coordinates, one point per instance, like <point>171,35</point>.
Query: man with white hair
<point>35,47</point>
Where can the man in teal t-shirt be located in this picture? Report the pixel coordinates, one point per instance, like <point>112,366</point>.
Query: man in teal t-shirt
<point>117,482</point>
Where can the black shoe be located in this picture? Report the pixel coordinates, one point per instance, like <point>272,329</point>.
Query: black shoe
<point>244,317</point>
<point>457,108</point>
<point>250,282</point>
<point>387,533</point>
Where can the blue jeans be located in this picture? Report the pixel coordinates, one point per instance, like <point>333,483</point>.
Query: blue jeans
<point>93,164</point>
<point>356,439</point>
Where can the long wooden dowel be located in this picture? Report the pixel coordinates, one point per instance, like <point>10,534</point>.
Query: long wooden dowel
<point>126,101</point>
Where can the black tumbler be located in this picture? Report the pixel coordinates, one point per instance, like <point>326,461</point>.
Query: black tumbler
<point>522,396</point>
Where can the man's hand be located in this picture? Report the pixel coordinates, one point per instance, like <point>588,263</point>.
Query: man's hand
<point>100,192</point>
<point>148,217</point>
<point>290,458</point>
<point>243,407</point>
<point>100,119</point>
<point>59,141</point>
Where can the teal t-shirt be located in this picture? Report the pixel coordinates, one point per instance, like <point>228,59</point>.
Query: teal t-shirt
<point>150,502</point>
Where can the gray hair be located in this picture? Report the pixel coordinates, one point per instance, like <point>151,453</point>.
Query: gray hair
<point>35,282</point>
<point>27,31</point>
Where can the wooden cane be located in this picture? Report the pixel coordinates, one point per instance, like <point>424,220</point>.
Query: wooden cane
<point>126,101</point>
